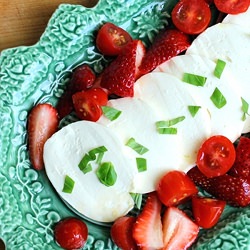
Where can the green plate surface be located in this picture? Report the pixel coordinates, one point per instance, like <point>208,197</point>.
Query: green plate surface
<point>29,206</point>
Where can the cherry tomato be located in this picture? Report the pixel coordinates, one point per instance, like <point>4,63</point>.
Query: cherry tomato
<point>207,211</point>
<point>232,6</point>
<point>216,156</point>
<point>71,233</point>
<point>121,233</point>
<point>87,104</point>
<point>175,187</point>
<point>191,16</point>
<point>111,39</point>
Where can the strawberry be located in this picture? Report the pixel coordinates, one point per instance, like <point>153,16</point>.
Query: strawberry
<point>167,44</point>
<point>42,123</point>
<point>147,230</point>
<point>120,75</point>
<point>234,190</point>
<point>241,167</point>
<point>179,231</point>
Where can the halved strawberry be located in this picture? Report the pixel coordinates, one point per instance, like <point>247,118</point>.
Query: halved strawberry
<point>167,44</point>
<point>119,77</point>
<point>234,190</point>
<point>42,124</point>
<point>147,230</point>
<point>241,167</point>
<point>179,231</point>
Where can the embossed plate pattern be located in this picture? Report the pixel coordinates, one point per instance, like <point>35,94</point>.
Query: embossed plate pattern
<point>29,207</point>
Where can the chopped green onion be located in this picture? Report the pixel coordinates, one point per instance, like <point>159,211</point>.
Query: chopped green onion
<point>220,65</point>
<point>84,164</point>
<point>68,185</point>
<point>244,108</point>
<point>111,113</point>
<point>193,110</point>
<point>193,79</point>
<point>140,149</point>
<point>106,174</point>
<point>141,164</point>
<point>218,99</point>
<point>137,199</point>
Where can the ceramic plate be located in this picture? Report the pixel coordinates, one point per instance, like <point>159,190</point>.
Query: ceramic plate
<point>29,206</point>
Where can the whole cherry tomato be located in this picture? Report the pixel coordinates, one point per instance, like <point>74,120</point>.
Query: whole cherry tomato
<point>175,187</point>
<point>111,39</point>
<point>71,233</point>
<point>216,156</point>
<point>121,233</point>
<point>232,6</point>
<point>191,16</point>
<point>207,211</point>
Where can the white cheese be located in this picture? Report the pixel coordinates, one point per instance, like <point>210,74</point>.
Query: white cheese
<point>225,121</point>
<point>62,154</point>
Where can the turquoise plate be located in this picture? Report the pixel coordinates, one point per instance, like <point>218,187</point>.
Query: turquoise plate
<point>29,206</point>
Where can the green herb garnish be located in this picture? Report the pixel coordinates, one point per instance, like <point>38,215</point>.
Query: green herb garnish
<point>164,127</point>
<point>244,108</point>
<point>218,99</point>
<point>141,164</point>
<point>85,165</point>
<point>137,199</point>
<point>137,147</point>
<point>111,113</point>
<point>68,185</point>
<point>220,65</point>
<point>106,174</point>
<point>193,79</point>
<point>193,110</point>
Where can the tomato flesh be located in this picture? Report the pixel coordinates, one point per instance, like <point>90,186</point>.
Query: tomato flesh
<point>216,156</point>
<point>71,233</point>
<point>207,211</point>
<point>232,6</point>
<point>191,16</point>
<point>111,39</point>
<point>175,187</point>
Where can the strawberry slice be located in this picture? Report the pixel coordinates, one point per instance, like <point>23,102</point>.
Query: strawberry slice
<point>147,230</point>
<point>234,190</point>
<point>241,167</point>
<point>119,77</point>
<point>42,124</point>
<point>168,44</point>
<point>179,231</point>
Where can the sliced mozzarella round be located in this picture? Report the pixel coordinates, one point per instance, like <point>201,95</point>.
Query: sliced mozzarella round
<point>138,121</point>
<point>170,99</point>
<point>230,43</point>
<point>62,154</point>
<point>226,120</point>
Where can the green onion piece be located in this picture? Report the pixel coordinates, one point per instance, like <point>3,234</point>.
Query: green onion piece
<point>193,110</point>
<point>84,164</point>
<point>111,113</point>
<point>244,108</point>
<point>193,79</point>
<point>141,164</point>
<point>218,99</point>
<point>137,199</point>
<point>68,185</point>
<point>106,174</point>
<point>220,65</point>
<point>140,149</point>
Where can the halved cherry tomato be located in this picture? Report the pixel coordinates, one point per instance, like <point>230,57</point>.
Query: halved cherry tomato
<point>71,233</point>
<point>111,39</point>
<point>87,104</point>
<point>207,211</point>
<point>232,6</point>
<point>121,233</point>
<point>216,156</point>
<point>191,16</point>
<point>175,187</point>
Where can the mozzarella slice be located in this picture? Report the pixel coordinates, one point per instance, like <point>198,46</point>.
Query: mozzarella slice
<point>62,154</point>
<point>225,121</point>
<point>138,121</point>
<point>230,43</point>
<point>169,98</point>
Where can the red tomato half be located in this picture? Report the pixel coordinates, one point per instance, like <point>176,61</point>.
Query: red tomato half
<point>216,156</point>
<point>111,39</point>
<point>207,211</point>
<point>71,233</point>
<point>232,6</point>
<point>121,233</point>
<point>175,187</point>
<point>191,16</point>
